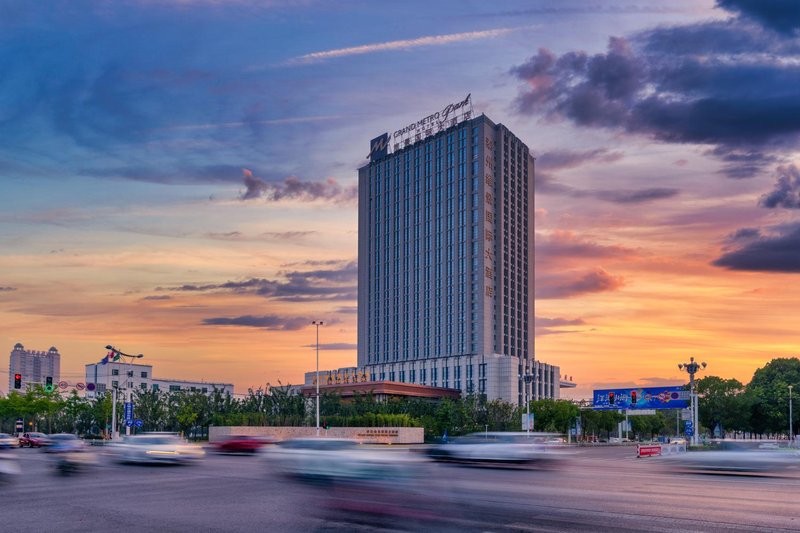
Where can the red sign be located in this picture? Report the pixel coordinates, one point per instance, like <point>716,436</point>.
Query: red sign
<point>648,451</point>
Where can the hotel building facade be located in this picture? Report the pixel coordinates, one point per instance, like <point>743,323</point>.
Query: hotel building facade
<point>445,266</point>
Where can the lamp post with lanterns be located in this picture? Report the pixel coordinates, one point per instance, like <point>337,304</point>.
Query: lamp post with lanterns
<point>692,368</point>
<point>128,398</point>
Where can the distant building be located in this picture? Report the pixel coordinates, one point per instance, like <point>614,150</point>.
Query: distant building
<point>135,376</point>
<point>35,366</point>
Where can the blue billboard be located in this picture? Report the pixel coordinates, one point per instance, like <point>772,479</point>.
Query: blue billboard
<point>673,397</point>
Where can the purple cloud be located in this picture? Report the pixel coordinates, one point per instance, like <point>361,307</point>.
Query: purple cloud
<point>293,188</point>
<point>331,284</point>
<point>786,192</point>
<point>572,284</point>
<point>667,84</point>
<point>270,322</point>
<point>775,250</point>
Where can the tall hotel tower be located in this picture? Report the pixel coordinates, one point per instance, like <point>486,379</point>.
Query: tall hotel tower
<point>35,366</point>
<point>445,256</point>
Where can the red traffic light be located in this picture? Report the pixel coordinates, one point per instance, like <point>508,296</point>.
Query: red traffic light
<point>611,398</point>
<point>17,381</point>
<point>633,397</point>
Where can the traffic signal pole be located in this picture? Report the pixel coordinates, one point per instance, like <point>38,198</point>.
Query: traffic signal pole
<point>114,413</point>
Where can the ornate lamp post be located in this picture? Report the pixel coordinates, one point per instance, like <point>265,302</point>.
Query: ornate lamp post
<point>692,368</point>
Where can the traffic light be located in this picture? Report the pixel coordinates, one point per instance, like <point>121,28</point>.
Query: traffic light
<point>48,384</point>
<point>633,397</point>
<point>17,381</point>
<point>611,398</point>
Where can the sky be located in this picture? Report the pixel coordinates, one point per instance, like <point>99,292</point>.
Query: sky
<point>179,178</point>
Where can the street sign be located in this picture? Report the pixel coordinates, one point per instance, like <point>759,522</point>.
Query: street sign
<point>640,412</point>
<point>90,386</point>
<point>128,413</point>
<point>129,423</point>
<point>138,423</point>
<point>686,414</point>
<point>19,425</point>
<point>527,422</point>
<point>688,428</point>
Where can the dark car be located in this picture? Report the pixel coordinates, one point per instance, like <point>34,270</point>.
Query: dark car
<point>241,444</point>
<point>34,440</point>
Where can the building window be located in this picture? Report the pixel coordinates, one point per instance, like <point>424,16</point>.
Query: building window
<point>130,373</point>
<point>205,390</point>
<point>115,372</point>
<point>144,374</point>
<point>143,386</point>
<point>155,386</point>
<point>115,383</point>
<point>174,388</point>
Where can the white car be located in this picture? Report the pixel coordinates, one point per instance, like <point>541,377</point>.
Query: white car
<point>340,460</point>
<point>8,441</point>
<point>156,448</point>
<point>499,448</point>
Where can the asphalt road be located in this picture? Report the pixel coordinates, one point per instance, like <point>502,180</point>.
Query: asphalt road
<point>604,489</point>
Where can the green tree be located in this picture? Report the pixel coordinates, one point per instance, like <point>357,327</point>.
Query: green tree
<point>721,404</point>
<point>769,395</point>
<point>554,415</point>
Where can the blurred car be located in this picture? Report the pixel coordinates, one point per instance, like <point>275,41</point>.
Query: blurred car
<point>9,466</point>
<point>69,453</point>
<point>64,442</point>
<point>736,461</point>
<point>156,448</point>
<point>241,444</point>
<point>8,441</point>
<point>500,449</point>
<point>340,461</point>
<point>34,440</point>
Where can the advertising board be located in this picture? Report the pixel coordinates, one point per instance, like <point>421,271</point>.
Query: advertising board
<point>671,397</point>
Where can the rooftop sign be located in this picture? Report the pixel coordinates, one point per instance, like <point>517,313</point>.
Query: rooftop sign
<point>450,115</point>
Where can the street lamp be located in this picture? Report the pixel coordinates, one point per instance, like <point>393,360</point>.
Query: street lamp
<point>527,378</point>
<point>128,391</point>
<point>317,323</point>
<point>791,436</point>
<point>692,368</point>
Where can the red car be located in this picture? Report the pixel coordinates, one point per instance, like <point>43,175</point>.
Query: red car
<point>34,440</point>
<point>241,444</point>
